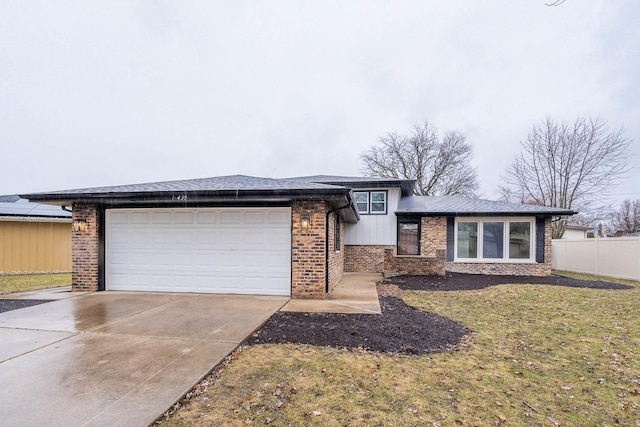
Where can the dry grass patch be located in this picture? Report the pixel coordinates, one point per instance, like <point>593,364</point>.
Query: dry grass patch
<point>30,282</point>
<point>542,355</point>
<point>589,277</point>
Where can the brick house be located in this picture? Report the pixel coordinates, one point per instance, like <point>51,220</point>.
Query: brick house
<point>294,237</point>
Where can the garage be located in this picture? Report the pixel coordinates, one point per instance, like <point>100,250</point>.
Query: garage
<point>203,250</point>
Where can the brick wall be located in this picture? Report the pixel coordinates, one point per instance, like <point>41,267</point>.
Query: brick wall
<point>508,268</point>
<point>433,237</point>
<point>336,258</point>
<point>365,258</point>
<point>308,250</point>
<point>415,264</point>
<point>84,249</point>
<point>498,269</point>
<point>433,251</point>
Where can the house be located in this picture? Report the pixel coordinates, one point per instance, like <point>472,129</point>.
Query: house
<point>34,238</point>
<point>574,231</point>
<point>295,236</point>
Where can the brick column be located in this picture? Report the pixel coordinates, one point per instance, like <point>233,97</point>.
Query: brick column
<point>84,249</point>
<point>308,262</point>
<point>433,238</point>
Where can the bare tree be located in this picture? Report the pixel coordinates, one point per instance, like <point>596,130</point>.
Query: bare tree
<point>570,166</point>
<point>626,220</point>
<point>441,166</point>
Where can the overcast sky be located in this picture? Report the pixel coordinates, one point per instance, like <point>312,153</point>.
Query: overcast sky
<point>97,93</point>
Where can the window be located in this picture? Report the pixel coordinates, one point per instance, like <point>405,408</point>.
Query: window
<point>371,202</point>
<point>409,236</point>
<point>494,239</point>
<point>519,240</point>
<point>378,202</point>
<point>467,239</point>
<point>362,201</point>
<point>336,234</point>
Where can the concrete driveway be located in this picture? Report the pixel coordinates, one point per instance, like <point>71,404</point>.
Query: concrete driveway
<point>116,358</point>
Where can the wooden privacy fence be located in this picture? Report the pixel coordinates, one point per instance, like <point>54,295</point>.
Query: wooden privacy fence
<point>612,257</point>
<point>31,247</point>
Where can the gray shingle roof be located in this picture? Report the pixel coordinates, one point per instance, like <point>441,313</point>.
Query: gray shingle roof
<point>337,178</point>
<point>22,208</point>
<point>319,184</point>
<point>406,185</point>
<point>219,183</point>
<point>221,189</point>
<point>10,198</point>
<point>461,205</point>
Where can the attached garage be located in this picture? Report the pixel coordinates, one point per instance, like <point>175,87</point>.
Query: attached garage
<point>232,234</point>
<point>203,250</point>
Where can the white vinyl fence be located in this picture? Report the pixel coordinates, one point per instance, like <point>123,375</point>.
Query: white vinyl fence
<point>612,257</point>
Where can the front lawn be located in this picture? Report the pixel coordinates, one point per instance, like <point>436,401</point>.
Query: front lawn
<point>540,355</point>
<point>30,282</point>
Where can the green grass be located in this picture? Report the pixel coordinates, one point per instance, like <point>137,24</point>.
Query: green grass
<point>29,282</point>
<point>540,356</point>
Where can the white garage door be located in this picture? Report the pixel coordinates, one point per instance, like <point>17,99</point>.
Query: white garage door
<point>207,250</point>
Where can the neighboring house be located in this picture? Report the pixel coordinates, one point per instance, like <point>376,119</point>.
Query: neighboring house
<point>295,236</point>
<point>34,238</point>
<point>573,231</point>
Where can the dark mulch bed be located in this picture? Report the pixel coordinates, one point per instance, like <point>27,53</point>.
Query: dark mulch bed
<point>469,282</point>
<point>399,329</point>
<point>14,304</point>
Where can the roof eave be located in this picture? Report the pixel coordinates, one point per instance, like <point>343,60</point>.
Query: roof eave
<point>338,198</point>
<point>35,218</point>
<point>184,196</point>
<point>493,213</point>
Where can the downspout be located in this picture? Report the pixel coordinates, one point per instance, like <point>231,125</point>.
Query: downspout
<point>326,243</point>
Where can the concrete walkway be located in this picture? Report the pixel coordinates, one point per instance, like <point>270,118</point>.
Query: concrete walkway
<point>355,293</point>
<point>51,294</point>
<point>116,358</point>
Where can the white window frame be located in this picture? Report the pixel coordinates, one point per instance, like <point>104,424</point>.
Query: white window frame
<point>370,202</point>
<point>356,203</point>
<point>505,255</point>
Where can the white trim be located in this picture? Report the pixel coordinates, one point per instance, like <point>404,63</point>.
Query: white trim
<point>34,219</point>
<point>505,235</point>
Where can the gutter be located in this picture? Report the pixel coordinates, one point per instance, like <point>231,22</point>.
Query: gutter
<point>17,218</point>
<point>185,196</point>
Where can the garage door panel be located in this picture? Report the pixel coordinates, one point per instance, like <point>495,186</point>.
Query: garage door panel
<point>160,218</point>
<point>139,218</point>
<point>279,217</point>
<point>217,250</point>
<point>119,218</point>
<point>208,217</point>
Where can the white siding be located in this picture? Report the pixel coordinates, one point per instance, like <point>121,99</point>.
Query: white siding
<point>375,229</point>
